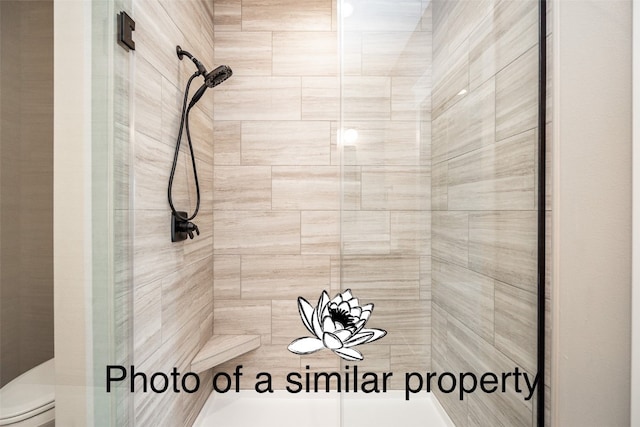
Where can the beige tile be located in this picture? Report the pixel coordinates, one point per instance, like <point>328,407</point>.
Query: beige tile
<point>427,16</point>
<point>406,321</point>
<point>501,176</point>
<point>396,53</point>
<point>256,232</point>
<point>290,15</point>
<point>381,277</point>
<point>284,277</point>
<point>473,354</point>
<point>226,143</point>
<point>184,293</point>
<point>383,143</point>
<point>305,53</point>
<point>306,187</point>
<point>200,246</point>
<point>227,15</point>
<point>503,245</point>
<point>226,277</point>
<point>517,96</point>
<point>505,34</point>
<point>285,143</point>
<point>153,253</point>
<point>410,233</point>
<point>242,188</point>
<point>257,98</point>
<point>425,278</point>
<point>320,98</point>
<point>515,327</point>
<point>205,181</point>
<point>410,97</point>
<point>366,98</point>
<point>439,178</point>
<point>152,166</point>
<point>274,359</point>
<point>147,325</point>
<point>467,126</point>
<point>171,109</point>
<point>401,15</point>
<point>410,358</point>
<point>286,324</point>
<point>398,188</point>
<point>247,53</point>
<point>450,237</point>
<point>450,88</point>
<point>320,232</point>
<point>156,38</point>
<point>365,232</point>
<point>351,62</point>
<point>201,129</point>
<point>148,99</point>
<point>243,317</point>
<point>465,295</point>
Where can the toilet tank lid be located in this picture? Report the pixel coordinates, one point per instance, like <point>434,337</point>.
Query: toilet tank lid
<point>31,391</point>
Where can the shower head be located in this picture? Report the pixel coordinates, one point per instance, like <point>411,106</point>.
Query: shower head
<point>217,76</point>
<point>211,79</point>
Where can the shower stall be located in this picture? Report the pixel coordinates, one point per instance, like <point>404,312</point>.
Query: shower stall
<point>391,151</point>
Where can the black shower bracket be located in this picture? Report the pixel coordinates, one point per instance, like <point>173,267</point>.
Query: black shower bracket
<point>181,228</point>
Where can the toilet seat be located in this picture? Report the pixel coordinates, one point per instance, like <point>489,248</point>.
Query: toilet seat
<point>28,395</point>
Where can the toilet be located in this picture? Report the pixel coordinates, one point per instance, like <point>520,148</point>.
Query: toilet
<point>29,400</point>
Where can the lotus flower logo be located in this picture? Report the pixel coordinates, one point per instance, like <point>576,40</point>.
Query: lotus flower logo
<point>336,324</point>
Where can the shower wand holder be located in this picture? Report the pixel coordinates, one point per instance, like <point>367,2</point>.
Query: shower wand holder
<point>181,229</point>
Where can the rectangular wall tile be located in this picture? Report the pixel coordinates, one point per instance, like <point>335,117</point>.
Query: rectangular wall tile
<point>226,143</point>
<point>366,98</point>
<point>496,177</point>
<point>503,245</point>
<point>257,98</point>
<point>406,321</point>
<point>242,188</point>
<point>285,143</point>
<point>450,237</point>
<point>284,277</point>
<point>425,277</point>
<point>517,96</point>
<point>286,324</point>
<point>382,277</point>
<point>467,126</point>
<point>313,15</point>
<point>439,189</point>
<point>306,188</point>
<point>516,325</point>
<point>320,98</point>
<point>383,143</point>
<point>243,317</point>
<point>398,188</point>
<point>366,232</point>
<point>410,97</point>
<point>400,15</point>
<point>396,53</point>
<point>256,232</point>
<point>247,53</point>
<point>450,88</point>
<point>305,53</point>
<point>410,233</point>
<point>147,312</point>
<point>148,100</point>
<point>227,15</point>
<point>466,295</point>
<point>320,232</point>
<point>226,277</point>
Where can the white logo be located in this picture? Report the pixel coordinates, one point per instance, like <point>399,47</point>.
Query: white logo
<point>336,324</point>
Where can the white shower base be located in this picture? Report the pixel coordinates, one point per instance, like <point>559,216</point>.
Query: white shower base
<point>283,409</point>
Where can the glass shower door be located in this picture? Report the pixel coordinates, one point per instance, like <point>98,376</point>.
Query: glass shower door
<point>438,141</point>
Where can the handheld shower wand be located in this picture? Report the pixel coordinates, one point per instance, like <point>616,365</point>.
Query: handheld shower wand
<point>181,224</point>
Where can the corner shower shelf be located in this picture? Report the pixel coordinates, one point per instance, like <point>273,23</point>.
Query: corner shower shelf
<point>221,348</point>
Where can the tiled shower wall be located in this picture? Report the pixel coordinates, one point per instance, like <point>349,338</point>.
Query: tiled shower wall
<point>484,220</point>
<point>284,205</point>
<point>172,282</point>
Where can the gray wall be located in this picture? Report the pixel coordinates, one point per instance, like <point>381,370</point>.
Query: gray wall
<point>26,189</point>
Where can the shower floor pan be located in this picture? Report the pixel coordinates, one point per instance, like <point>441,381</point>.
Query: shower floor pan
<point>283,409</point>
